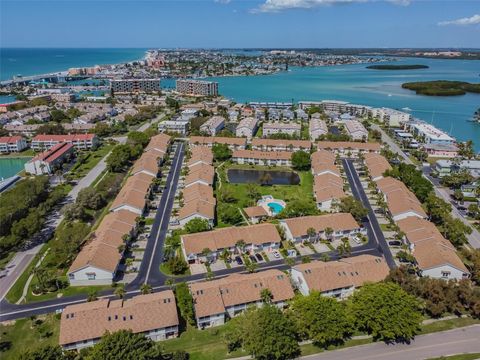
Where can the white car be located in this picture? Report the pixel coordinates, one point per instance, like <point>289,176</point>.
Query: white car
<point>276,254</point>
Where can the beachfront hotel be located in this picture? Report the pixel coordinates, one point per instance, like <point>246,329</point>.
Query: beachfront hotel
<point>135,85</point>
<point>197,87</point>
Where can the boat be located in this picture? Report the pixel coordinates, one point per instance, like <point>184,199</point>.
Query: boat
<point>406,109</point>
<point>476,116</point>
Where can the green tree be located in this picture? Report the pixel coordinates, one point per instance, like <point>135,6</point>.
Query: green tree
<point>298,208</point>
<point>58,116</point>
<point>266,296</point>
<point>120,291</point>
<point>92,295</point>
<point>386,311</point>
<point>466,149</point>
<point>51,128</point>
<point>185,302</point>
<point>353,206</point>
<point>119,158</point>
<point>230,214</point>
<point>90,198</point>
<point>321,319</point>
<point>221,152</point>
<point>145,289</point>
<point>137,138</point>
<point>177,265</point>
<point>197,225</point>
<point>47,352</point>
<point>73,212</point>
<point>265,333</point>
<point>301,160</point>
<point>124,345</point>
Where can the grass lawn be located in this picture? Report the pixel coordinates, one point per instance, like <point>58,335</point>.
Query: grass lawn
<point>202,344</point>
<point>92,158</point>
<point>471,356</point>
<point>25,153</point>
<point>287,193</point>
<point>386,227</point>
<point>448,325</point>
<point>20,335</point>
<point>5,259</point>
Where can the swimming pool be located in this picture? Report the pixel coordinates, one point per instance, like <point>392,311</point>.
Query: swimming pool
<point>276,207</point>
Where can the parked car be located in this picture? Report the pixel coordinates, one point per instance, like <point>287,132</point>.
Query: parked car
<point>276,255</point>
<point>239,260</point>
<point>259,257</point>
<point>394,243</point>
<point>253,258</point>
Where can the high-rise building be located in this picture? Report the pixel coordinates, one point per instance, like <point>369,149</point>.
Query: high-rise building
<point>197,87</point>
<point>135,85</point>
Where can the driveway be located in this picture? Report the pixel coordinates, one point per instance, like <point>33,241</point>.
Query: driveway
<point>198,269</point>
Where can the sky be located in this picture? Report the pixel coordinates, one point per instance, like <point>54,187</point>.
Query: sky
<point>240,23</point>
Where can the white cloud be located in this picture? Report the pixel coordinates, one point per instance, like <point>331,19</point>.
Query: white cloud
<point>280,5</point>
<point>475,19</point>
<point>222,1</point>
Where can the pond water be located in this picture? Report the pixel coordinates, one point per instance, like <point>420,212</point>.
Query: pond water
<point>263,177</point>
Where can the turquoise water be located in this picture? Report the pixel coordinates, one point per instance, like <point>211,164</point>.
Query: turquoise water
<point>40,61</point>
<point>11,166</point>
<point>5,99</point>
<point>356,84</point>
<point>276,207</point>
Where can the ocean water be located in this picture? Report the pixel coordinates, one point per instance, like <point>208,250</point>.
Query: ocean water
<point>378,88</point>
<point>11,166</point>
<point>26,61</point>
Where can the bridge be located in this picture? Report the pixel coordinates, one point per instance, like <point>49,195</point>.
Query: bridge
<point>56,77</point>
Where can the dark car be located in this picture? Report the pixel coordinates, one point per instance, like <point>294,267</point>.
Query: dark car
<point>253,258</point>
<point>239,260</point>
<point>259,257</point>
<point>394,243</point>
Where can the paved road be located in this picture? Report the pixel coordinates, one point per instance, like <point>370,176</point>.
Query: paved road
<point>23,259</point>
<point>457,341</point>
<point>150,272</point>
<point>373,228</point>
<point>474,237</point>
<point>393,145</point>
<point>150,267</point>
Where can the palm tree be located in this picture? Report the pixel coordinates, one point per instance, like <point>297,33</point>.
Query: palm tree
<point>240,244</point>
<point>145,289</point>
<point>120,291</point>
<point>170,283</point>
<point>92,295</point>
<point>266,296</point>
<point>328,232</point>
<point>324,257</point>
<point>311,233</point>
<point>206,252</point>
<point>251,267</point>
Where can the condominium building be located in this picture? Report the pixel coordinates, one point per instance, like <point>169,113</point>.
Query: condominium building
<point>10,144</point>
<point>247,127</point>
<point>280,145</point>
<point>153,315</point>
<point>255,238</point>
<point>79,141</point>
<point>339,278</point>
<point>268,158</point>
<point>173,126</point>
<point>430,134</point>
<point>349,147</point>
<point>135,85</point>
<point>340,224</point>
<point>291,129</point>
<point>213,125</point>
<point>232,143</point>
<point>216,300</point>
<point>376,165</point>
<point>434,255</point>
<point>394,118</point>
<point>356,130</point>
<point>48,161</point>
<point>197,87</point>
<point>317,128</point>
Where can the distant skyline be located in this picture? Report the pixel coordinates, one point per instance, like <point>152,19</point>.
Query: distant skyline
<point>240,23</point>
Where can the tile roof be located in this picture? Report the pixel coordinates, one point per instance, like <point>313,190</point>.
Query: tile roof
<point>102,249</point>
<point>338,222</point>
<point>201,154</point>
<point>376,164</point>
<point>262,155</point>
<point>201,172</point>
<point>227,237</point>
<point>53,153</point>
<point>328,187</point>
<point>213,297</point>
<point>255,211</point>
<point>353,271</point>
<point>200,207</point>
<point>430,248</point>
<point>148,162</point>
<point>140,314</point>
<point>206,140</point>
<point>348,145</point>
<point>134,192</point>
<point>198,192</point>
<point>305,144</point>
<point>399,199</point>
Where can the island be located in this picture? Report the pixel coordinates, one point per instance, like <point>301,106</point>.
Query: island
<point>397,67</point>
<point>442,87</point>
